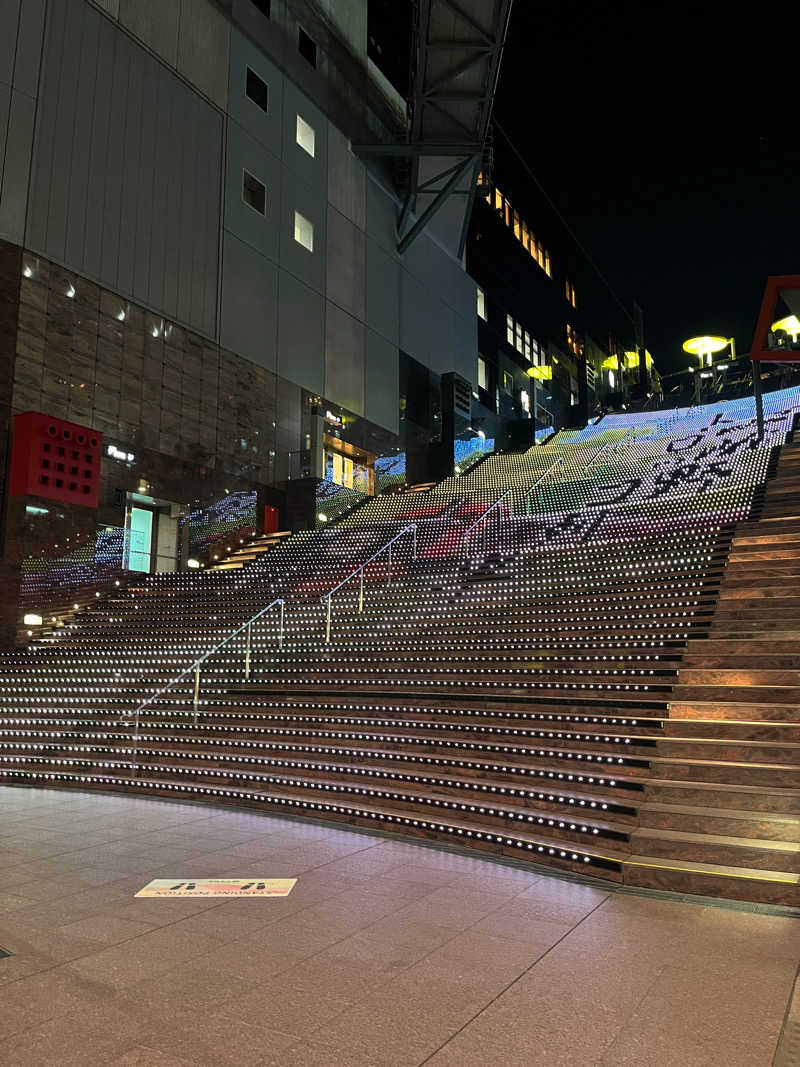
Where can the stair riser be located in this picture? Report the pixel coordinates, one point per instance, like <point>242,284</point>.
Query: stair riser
<point>787,830</point>
<point>713,885</point>
<point>727,855</point>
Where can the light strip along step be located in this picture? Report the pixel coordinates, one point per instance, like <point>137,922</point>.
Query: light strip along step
<point>520,843</point>
<point>478,789</point>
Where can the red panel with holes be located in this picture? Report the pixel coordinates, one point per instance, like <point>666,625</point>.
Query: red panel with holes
<point>55,459</point>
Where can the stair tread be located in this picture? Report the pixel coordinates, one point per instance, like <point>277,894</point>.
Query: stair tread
<point>789,847</point>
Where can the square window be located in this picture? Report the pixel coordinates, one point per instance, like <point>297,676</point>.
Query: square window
<point>483,374</point>
<point>305,136</point>
<point>258,90</point>
<point>304,231</point>
<point>254,192</point>
<point>306,47</point>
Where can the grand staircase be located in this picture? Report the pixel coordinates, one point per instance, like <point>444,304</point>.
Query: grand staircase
<point>589,665</point>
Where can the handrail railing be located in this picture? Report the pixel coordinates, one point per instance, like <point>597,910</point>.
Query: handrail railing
<point>553,467</point>
<point>486,513</point>
<point>607,445</point>
<point>198,663</point>
<point>412,529</point>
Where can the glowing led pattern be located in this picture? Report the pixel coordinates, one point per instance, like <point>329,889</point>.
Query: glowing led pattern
<point>509,687</point>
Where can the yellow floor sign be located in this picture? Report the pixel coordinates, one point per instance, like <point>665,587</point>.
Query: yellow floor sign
<point>218,887</point>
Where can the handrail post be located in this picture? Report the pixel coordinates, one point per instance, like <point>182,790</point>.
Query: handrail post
<point>328,622</point>
<point>280,627</point>
<point>196,698</point>
<point>247,652</point>
<point>361,591</point>
<point>136,745</point>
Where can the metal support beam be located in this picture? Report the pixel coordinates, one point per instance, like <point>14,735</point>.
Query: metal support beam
<point>434,205</point>
<point>410,150</point>
<point>758,399</point>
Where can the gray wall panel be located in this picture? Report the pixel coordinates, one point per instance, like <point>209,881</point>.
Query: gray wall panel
<point>301,340</point>
<point>29,45</point>
<point>249,303</point>
<point>62,134</point>
<point>5,108</point>
<point>415,312</point>
<point>347,179</point>
<point>171,166</point>
<point>188,177</point>
<point>155,24</point>
<point>243,152</point>
<point>381,216</point>
<point>345,264</point>
<point>161,184</point>
<point>265,128</point>
<point>144,194</point>
<point>382,382</point>
<point>309,267</point>
<point>98,150</point>
<point>382,289</point>
<point>126,183</point>
<point>131,155</point>
<point>313,171</point>
<point>9,23</point>
<point>344,359</point>
<point>112,198</point>
<point>78,192</point>
<point>16,172</point>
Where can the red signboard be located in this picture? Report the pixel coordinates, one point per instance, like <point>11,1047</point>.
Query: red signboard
<point>55,459</point>
<point>777,285</point>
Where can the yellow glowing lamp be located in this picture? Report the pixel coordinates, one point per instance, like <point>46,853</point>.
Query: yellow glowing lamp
<point>704,347</point>
<point>791,324</point>
<point>632,360</point>
<point>541,374</point>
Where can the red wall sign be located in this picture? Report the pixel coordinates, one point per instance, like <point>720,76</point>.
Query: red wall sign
<point>55,459</point>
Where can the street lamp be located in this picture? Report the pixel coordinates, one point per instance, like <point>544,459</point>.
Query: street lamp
<point>541,373</point>
<point>706,346</point>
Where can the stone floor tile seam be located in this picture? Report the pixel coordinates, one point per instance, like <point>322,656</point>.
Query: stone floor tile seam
<point>510,985</point>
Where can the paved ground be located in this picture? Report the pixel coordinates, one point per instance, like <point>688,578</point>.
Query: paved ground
<point>386,954</point>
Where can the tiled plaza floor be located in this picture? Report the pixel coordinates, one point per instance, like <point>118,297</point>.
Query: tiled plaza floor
<point>386,954</point>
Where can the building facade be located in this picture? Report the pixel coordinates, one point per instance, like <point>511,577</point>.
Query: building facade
<point>197,269</point>
<point>554,345</point>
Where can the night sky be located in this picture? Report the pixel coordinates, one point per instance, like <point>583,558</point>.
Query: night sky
<point>661,139</point>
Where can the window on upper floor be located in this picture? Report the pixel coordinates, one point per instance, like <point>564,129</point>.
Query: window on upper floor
<point>254,192</point>
<point>574,341</point>
<point>569,292</point>
<point>481,295</point>
<point>258,90</point>
<point>508,382</point>
<point>304,231</point>
<point>483,374</point>
<point>306,47</point>
<point>510,330</point>
<point>534,247</point>
<point>305,136</point>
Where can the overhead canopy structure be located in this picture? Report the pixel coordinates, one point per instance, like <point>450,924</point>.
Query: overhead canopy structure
<point>455,63</point>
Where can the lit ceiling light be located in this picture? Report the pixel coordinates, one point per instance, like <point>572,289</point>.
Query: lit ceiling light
<point>705,346</point>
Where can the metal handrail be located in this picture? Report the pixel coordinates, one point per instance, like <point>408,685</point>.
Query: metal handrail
<point>412,529</point>
<point>553,467</point>
<point>198,663</point>
<point>484,514</point>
